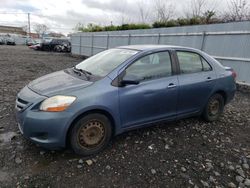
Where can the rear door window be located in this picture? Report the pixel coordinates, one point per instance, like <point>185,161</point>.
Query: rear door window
<point>192,62</point>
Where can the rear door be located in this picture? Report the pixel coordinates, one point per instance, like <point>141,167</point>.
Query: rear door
<point>196,82</point>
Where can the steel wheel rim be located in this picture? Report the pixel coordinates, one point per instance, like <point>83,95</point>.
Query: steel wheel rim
<point>214,107</point>
<point>91,134</point>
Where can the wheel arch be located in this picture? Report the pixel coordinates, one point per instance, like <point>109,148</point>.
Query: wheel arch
<point>223,94</point>
<point>92,111</point>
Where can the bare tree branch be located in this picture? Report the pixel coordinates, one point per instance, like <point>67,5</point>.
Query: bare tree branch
<point>41,29</point>
<point>238,10</point>
<point>144,10</point>
<point>164,10</point>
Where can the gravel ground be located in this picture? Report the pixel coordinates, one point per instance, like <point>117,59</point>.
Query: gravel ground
<point>186,153</point>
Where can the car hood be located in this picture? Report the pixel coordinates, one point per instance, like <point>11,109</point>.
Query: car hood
<point>56,83</point>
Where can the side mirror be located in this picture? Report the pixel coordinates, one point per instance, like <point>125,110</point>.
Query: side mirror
<point>129,80</point>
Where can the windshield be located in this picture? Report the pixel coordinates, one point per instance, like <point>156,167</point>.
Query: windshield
<point>104,62</point>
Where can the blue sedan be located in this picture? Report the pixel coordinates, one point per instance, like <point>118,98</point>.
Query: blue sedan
<point>122,89</point>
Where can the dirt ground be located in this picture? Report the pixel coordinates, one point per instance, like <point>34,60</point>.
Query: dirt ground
<point>186,153</point>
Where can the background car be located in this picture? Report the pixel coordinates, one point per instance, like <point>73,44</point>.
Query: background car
<point>56,45</point>
<point>2,41</point>
<point>122,89</point>
<point>10,41</point>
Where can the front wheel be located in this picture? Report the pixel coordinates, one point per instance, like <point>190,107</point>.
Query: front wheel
<point>214,108</point>
<point>90,134</point>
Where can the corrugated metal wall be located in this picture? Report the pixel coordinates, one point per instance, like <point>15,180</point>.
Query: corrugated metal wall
<point>228,42</point>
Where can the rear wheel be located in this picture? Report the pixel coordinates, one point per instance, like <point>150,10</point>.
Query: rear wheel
<point>214,108</point>
<point>90,134</point>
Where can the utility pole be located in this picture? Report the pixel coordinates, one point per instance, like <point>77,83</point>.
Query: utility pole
<point>29,23</point>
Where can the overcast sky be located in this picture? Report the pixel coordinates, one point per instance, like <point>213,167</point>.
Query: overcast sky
<point>63,15</point>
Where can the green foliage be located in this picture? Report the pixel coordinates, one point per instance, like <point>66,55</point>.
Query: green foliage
<point>96,28</point>
<point>207,18</point>
<point>158,24</point>
<point>183,21</point>
<point>172,23</point>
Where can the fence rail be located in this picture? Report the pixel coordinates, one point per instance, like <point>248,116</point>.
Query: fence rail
<point>229,43</point>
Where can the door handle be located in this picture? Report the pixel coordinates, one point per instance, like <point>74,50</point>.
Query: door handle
<point>171,85</point>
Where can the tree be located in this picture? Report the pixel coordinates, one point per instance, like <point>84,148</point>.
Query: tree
<point>143,10</point>
<point>41,29</point>
<point>164,10</point>
<point>208,15</point>
<point>238,10</point>
<point>197,8</point>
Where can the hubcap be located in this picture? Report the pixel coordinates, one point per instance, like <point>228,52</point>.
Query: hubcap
<point>91,134</point>
<point>214,107</point>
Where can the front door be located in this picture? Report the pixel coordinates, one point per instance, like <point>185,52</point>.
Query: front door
<point>155,97</point>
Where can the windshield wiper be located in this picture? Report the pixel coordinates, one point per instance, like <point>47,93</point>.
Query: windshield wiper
<point>80,71</point>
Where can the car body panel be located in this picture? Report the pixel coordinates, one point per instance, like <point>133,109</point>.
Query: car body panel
<point>128,107</point>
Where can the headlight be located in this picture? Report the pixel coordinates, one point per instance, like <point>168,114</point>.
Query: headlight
<point>57,103</point>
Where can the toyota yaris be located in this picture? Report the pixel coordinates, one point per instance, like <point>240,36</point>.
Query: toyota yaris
<point>121,89</point>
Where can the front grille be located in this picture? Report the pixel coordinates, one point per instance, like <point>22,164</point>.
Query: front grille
<point>21,104</point>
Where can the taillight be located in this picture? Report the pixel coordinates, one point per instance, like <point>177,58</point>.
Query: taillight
<point>234,74</point>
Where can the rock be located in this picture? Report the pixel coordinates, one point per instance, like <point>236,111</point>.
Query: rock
<point>240,172</point>
<point>166,146</point>
<point>205,184</point>
<point>18,160</point>
<point>108,167</point>
<point>80,161</point>
<point>245,166</point>
<point>89,162</point>
<point>247,182</point>
<point>42,152</point>
<point>151,147</point>
<point>79,166</point>
<point>239,179</point>
<point>241,185</point>
<point>153,171</point>
<point>190,182</point>
<point>183,169</point>
<point>231,167</point>
<point>222,165</point>
<point>231,185</point>
<point>216,173</point>
<point>209,166</point>
<point>212,179</point>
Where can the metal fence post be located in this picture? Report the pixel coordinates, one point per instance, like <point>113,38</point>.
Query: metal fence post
<point>92,44</point>
<point>107,41</point>
<point>80,46</point>
<point>203,40</point>
<point>129,38</point>
<point>159,38</point>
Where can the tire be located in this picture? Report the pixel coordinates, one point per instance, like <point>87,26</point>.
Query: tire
<point>57,48</point>
<point>90,134</point>
<point>214,108</point>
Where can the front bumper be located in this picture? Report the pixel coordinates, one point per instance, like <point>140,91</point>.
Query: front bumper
<point>44,128</point>
<point>47,129</point>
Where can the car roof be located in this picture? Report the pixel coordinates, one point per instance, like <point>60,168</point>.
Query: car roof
<point>154,47</point>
